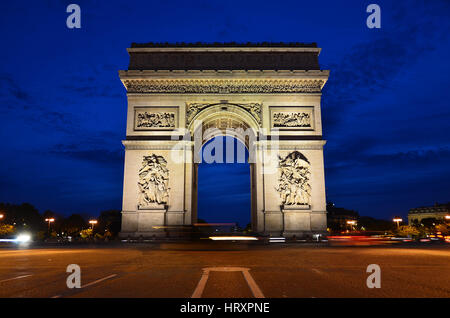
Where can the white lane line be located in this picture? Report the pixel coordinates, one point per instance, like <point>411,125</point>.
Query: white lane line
<point>201,285</point>
<point>14,278</point>
<point>91,283</point>
<point>99,280</point>
<point>318,271</point>
<point>256,291</point>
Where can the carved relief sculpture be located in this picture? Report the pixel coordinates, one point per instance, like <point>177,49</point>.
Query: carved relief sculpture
<point>293,184</point>
<point>146,119</point>
<point>153,181</point>
<point>291,119</point>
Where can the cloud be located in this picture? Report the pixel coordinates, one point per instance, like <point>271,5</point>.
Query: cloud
<point>369,67</point>
<point>99,155</point>
<point>103,148</point>
<point>393,162</point>
<point>93,81</point>
<point>19,105</point>
<point>11,89</point>
<point>384,118</point>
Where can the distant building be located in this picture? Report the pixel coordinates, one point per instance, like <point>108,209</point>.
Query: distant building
<point>437,211</point>
<point>337,217</point>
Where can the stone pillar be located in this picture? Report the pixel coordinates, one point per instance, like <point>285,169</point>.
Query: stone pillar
<point>157,187</point>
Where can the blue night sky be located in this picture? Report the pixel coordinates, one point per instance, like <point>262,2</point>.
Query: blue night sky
<point>385,108</point>
<point>224,188</point>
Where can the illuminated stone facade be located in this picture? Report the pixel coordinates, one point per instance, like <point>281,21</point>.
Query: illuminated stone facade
<point>438,212</point>
<point>271,91</point>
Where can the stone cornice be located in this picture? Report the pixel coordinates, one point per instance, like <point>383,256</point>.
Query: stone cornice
<point>157,144</point>
<point>219,74</point>
<point>291,144</point>
<point>223,82</point>
<point>187,145</point>
<point>223,49</point>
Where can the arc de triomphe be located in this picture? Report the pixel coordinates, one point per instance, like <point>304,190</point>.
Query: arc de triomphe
<point>269,93</point>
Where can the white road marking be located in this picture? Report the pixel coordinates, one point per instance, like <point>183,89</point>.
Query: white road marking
<point>91,283</point>
<point>14,278</point>
<point>318,271</point>
<point>256,291</point>
<point>99,280</point>
<point>201,285</point>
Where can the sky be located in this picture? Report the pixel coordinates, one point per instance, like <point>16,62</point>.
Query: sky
<point>385,107</point>
<point>224,188</point>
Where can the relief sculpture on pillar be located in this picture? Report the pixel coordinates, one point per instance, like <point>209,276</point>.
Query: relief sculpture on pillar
<point>153,182</point>
<point>294,182</point>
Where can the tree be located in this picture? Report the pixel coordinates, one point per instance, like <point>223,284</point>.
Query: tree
<point>24,216</point>
<point>73,224</point>
<point>408,230</point>
<point>109,221</point>
<point>87,233</point>
<point>6,229</point>
<point>443,228</point>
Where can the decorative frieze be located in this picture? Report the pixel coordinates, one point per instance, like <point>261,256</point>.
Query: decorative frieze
<point>155,120</point>
<point>292,120</point>
<point>292,117</point>
<point>223,86</point>
<point>155,117</point>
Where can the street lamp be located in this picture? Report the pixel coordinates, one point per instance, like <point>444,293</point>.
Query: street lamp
<point>398,220</point>
<point>49,221</point>
<point>447,217</point>
<point>92,223</point>
<point>351,223</point>
<point>2,216</point>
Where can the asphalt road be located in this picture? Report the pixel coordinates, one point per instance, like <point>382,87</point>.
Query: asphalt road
<point>182,270</point>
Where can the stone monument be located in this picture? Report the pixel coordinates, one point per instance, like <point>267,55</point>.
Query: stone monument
<point>182,95</point>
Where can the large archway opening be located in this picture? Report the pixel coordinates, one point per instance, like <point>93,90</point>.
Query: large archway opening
<point>224,184</point>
